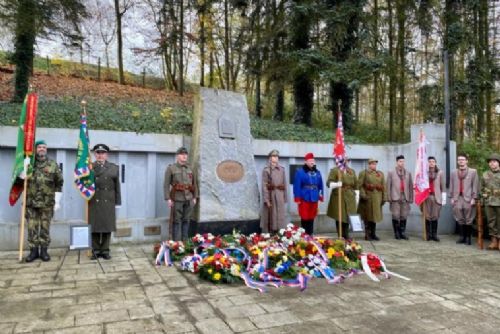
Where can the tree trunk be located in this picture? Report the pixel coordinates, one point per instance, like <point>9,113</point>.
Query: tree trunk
<point>202,46</point>
<point>258,106</point>
<point>391,68</point>
<point>226,43</point>
<point>24,53</point>
<point>181,47</point>
<point>119,14</point>
<point>376,76</point>
<point>401,17</point>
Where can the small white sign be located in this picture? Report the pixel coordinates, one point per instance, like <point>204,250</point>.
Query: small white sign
<point>79,237</point>
<point>356,224</point>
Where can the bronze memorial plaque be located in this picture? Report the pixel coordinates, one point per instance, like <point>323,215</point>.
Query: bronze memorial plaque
<point>230,171</point>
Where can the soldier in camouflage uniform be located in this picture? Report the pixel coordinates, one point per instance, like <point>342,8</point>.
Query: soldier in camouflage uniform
<point>43,198</point>
<point>490,189</point>
<point>181,193</point>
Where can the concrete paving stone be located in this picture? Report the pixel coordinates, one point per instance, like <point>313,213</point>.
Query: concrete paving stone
<point>219,302</point>
<point>240,325</point>
<point>274,319</point>
<point>133,326</point>
<point>452,296</point>
<point>453,306</point>
<point>352,322</point>
<point>176,323</point>
<point>201,310</point>
<point>81,291</point>
<point>53,286</point>
<point>90,318</point>
<point>214,325</point>
<point>243,299</point>
<point>141,312</point>
<point>7,328</point>
<point>101,297</point>
<point>16,297</point>
<point>156,290</point>
<point>69,310</point>
<point>389,301</point>
<point>271,307</point>
<point>92,329</point>
<point>127,304</point>
<point>492,301</point>
<point>29,325</point>
<point>241,311</point>
<point>164,306</point>
<point>150,279</point>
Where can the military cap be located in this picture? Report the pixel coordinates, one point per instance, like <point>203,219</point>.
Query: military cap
<point>101,148</point>
<point>309,156</point>
<point>399,157</point>
<point>274,153</point>
<point>431,158</point>
<point>370,160</point>
<point>493,156</point>
<point>182,150</point>
<point>40,142</point>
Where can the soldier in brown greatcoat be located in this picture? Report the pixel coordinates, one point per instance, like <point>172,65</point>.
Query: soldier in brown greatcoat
<point>400,195</point>
<point>436,199</point>
<point>181,193</point>
<point>372,197</point>
<point>102,206</point>
<point>490,190</point>
<point>274,195</point>
<point>464,186</point>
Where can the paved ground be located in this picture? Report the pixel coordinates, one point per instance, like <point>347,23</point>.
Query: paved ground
<point>454,289</point>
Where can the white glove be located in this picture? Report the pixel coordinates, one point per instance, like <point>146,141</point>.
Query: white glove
<point>57,204</point>
<point>334,185</point>
<point>118,206</point>
<point>26,164</point>
<point>443,198</point>
<point>357,196</point>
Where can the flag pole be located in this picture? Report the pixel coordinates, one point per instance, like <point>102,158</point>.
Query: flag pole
<point>340,188</point>
<point>424,228</point>
<point>84,108</point>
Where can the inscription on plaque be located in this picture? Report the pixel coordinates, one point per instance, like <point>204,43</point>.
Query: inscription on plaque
<point>227,129</point>
<point>230,171</point>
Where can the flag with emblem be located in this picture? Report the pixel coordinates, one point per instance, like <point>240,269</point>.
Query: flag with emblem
<point>25,146</point>
<point>84,175</point>
<point>339,147</point>
<point>421,183</point>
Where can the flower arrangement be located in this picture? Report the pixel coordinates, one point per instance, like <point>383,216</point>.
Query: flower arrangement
<point>219,267</point>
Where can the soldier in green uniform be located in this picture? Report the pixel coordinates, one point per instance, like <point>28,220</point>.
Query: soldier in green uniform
<point>43,198</point>
<point>348,185</point>
<point>102,206</point>
<point>490,189</point>
<point>372,195</point>
<point>181,192</point>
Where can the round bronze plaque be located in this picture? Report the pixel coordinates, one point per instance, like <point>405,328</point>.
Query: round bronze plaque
<point>230,171</point>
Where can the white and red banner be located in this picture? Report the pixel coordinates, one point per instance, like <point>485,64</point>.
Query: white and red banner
<point>421,183</point>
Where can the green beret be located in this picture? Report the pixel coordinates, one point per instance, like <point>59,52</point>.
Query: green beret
<point>182,150</point>
<point>40,142</point>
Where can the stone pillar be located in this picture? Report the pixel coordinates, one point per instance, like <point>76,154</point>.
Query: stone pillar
<point>222,157</point>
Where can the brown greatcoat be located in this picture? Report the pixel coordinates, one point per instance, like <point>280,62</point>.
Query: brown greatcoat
<point>393,186</point>
<point>102,214</point>
<point>439,187</point>
<point>274,192</point>
<point>349,185</point>
<point>372,195</point>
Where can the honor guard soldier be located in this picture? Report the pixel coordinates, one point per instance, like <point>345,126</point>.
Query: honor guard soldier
<point>400,195</point>
<point>464,186</point>
<point>372,196</point>
<point>307,191</point>
<point>43,198</point>
<point>490,190</point>
<point>181,193</point>
<point>102,206</point>
<point>274,195</point>
<point>435,200</point>
<point>347,182</point>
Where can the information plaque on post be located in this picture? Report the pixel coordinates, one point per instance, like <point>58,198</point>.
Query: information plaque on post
<point>79,237</point>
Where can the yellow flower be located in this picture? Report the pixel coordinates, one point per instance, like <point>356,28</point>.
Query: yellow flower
<point>302,253</point>
<point>209,270</point>
<point>346,259</point>
<point>217,276</point>
<point>330,253</point>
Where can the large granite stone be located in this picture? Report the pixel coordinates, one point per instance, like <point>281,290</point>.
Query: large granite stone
<point>222,156</point>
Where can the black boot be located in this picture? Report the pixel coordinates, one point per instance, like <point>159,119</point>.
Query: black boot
<point>338,230</point>
<point>308,226</point>
<point>463,233</point>
<point>395,227</point>
<point>373,230</point>
<point>44,255</point>
<point>368,233</point>
<point>469,234</point>
<point>402,229</point>
<point>345,230</point>
<point>428,230</point>
<point>434,235</point>
<point>33,255</point>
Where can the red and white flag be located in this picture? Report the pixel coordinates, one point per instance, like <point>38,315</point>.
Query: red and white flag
<point>421,183</point>
<point>339,147</point>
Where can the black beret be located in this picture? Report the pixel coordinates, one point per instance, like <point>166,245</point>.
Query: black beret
<point>101,148</point>
<point>182,150</point>
<point>400,157</point>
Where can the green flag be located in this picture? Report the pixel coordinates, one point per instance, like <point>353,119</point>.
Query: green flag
<point>84,175</point>
<point>25,145</point>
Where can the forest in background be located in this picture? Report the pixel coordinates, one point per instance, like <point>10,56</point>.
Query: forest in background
<point>294,59</point>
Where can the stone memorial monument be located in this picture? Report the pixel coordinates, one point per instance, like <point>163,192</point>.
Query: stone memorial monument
<point>222,156</point>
